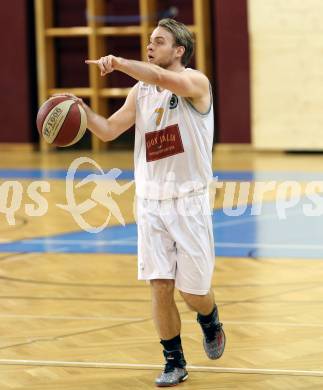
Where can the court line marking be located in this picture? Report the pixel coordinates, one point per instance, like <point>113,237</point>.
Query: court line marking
<point>71,317</point>
<point>265,371</point>
<point>18,257</point>
<point>94,318</point>
<point>97,243</point>
<point>251,218</point>
<point>262,245</point>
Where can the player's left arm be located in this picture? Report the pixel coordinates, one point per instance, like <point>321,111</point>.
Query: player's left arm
<point>191,84</point>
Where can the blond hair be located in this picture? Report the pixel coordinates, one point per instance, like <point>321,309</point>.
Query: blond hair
<point>182,37</point>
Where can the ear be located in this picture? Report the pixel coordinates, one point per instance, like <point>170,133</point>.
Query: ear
<point>180,50</point>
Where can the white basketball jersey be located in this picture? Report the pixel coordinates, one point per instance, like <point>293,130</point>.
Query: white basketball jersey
<point>173,145</point>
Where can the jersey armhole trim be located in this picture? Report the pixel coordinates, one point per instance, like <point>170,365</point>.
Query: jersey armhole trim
<point>196,110</point>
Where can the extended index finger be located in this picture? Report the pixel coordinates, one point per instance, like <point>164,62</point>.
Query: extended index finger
<point>91,61</point>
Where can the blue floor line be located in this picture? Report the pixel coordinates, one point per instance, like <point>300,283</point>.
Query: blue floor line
<point>263,236</point>
<point>60,174</point>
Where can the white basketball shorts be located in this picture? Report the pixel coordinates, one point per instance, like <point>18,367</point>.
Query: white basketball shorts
<point>175,241</point>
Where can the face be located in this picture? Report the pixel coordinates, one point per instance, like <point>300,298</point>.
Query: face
<point>161,50</point>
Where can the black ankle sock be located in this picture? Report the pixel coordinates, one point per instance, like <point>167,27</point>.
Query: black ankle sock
<point>209,318</point>
<point>209,324</point>
<point>174,344</point>
<point>173,353</point>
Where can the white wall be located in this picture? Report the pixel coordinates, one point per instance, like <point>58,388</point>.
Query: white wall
<point>286,49</point>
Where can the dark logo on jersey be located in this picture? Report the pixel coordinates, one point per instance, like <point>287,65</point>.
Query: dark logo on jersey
<point>163,143</point>
<point>173,101</point>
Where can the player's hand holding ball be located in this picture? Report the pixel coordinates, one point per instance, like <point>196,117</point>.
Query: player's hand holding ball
<point>62,120</point>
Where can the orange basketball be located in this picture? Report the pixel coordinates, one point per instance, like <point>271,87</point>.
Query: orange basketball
<point>61,121</point>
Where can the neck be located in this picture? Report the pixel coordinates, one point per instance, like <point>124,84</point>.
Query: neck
<point>176,67</point>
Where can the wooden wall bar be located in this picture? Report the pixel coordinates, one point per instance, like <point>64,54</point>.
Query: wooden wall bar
<point>19,87</point>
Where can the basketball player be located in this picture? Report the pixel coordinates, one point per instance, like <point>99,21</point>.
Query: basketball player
<point>171,106</point>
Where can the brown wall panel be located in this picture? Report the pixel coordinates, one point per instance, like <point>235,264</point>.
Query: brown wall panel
<point>231,61</point>
<point>15,102</point>
<point>17,76</point>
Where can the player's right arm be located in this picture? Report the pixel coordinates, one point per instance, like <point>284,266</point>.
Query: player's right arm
<point>108,129</point>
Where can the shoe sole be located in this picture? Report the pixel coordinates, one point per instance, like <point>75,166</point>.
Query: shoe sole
<point>175,384</point>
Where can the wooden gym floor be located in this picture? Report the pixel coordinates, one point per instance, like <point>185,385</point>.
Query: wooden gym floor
<point>73,315</point>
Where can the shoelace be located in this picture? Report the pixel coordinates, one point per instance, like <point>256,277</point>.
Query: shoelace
<point>210,330</point>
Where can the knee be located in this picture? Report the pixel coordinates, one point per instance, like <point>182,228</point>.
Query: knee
<point>162,287</point>
<point>193,301</point>
<point>193,297</point>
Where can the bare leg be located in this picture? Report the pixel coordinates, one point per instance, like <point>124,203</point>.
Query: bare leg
<point>164,309</point>
<point>168,325</point>
<point>202,304</point>
<point>214,337</point>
